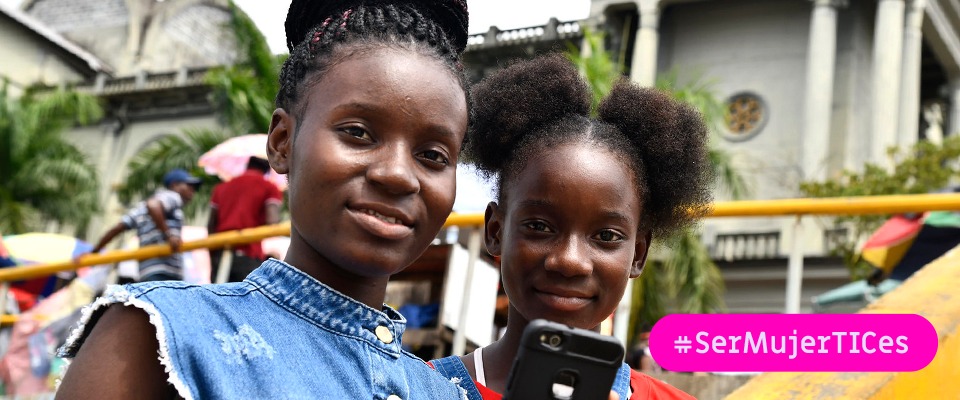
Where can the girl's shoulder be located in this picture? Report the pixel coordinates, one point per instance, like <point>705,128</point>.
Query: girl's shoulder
<point>644,386</point>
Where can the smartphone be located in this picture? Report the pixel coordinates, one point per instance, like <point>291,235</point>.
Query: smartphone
<point>559,362</point>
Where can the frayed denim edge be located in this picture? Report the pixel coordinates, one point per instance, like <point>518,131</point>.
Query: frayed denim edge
<point>463,392</point>
<point>118,294</point>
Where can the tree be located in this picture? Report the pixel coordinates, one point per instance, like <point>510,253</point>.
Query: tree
<point>243,95</point>
<point>685,278</point>
<point>923,168</point>
<point>43,177</point>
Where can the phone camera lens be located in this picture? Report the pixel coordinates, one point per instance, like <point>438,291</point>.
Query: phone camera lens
<point>551,340</point>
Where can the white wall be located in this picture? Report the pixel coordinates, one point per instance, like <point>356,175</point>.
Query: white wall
<point>760,46</point>
<point>28,58</point>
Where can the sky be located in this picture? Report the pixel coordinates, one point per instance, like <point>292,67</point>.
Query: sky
<point>505,14</point>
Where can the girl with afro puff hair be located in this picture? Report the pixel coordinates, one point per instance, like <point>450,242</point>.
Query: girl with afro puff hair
<point>369,122</point>
<point>579,201</point>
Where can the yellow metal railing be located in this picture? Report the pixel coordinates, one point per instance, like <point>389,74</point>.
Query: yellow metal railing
<point>218,240</point>
<point>767,383</point>
<point>751,208</point>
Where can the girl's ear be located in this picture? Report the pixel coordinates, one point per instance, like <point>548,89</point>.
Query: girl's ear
<point>640,254</point>
<point>280,140</point>
<point>492,229</point>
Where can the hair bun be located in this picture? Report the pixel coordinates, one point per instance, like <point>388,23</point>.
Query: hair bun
<point>519,100</point>
<point>303,15</point>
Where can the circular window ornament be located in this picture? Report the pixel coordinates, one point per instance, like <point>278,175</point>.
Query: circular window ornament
<point>745,116</point>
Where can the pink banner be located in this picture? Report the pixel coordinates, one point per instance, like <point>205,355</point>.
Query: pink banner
<point>793,342</point>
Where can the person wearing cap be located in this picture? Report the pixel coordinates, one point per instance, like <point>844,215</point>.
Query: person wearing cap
<point>158,220</point>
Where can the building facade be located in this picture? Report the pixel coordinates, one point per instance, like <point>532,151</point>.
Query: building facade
<point>812,87</point>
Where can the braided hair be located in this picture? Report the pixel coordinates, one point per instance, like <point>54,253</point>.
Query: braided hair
<point>322,33</point>
<point>537,104</point>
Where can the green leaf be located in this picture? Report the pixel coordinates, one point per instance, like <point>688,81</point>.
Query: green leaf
<point>44,178</point>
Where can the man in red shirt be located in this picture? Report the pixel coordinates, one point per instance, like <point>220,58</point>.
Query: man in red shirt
<point>246,201</point>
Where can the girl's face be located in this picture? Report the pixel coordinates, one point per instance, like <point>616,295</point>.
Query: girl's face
<point>568,235</point>
<point>372,165</point>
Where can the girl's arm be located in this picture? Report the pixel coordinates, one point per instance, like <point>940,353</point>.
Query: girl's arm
<point>118,360</point>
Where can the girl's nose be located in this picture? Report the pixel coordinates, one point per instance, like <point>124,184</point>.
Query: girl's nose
<point>570,258</point>
<point>394,171</point>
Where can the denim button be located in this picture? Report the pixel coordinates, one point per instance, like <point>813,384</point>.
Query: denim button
<point>384,334</point>
<point>393,397</point>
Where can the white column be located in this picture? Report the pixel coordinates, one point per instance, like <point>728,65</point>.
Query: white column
<point>473,250</point>
<point>953,114</point>
<point>795,270</point>
<point>910,87</point>
<point>644,67</point>
<point>887,53</point>
<point>818,100</point>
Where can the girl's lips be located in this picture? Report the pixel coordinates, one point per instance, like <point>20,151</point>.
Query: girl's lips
<point>379,225</point>
<point>565,303</point>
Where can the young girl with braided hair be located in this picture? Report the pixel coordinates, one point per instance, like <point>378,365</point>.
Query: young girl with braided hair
<point>579,201</point>
<point>368,126</point>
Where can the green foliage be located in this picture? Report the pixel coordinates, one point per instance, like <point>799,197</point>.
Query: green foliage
<point>596,65</point>
<point>42,176</point>
<point>244,92</point>
<point>923,168</point>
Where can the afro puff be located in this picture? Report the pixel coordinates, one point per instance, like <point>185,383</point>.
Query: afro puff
<point>533,105</point>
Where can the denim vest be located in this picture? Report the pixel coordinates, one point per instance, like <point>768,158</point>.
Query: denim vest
<point>279,334</point>
<point>452,367</point>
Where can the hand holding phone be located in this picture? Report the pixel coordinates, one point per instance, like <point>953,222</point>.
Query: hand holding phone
<point>558,362</point>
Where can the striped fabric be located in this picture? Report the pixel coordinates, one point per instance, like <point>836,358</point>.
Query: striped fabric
<point>138,218</point>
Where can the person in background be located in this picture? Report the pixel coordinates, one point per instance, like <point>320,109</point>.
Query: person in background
<point>158,220</point>
<point>246,201</point>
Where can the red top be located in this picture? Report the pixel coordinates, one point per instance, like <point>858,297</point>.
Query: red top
<point>642,386</point>
<point>241,203</point>
<point>647,387</point>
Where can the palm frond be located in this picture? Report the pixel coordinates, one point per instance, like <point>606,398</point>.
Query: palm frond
<point>697,92</point>
<point>45,178</point>
<point>649,301</point>
<point>596,65</point>
<point>728,178</point>
<point>254,49</point>
<point>694,279</point>
<point>244,92</point>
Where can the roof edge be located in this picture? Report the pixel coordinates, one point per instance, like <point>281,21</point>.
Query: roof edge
<point>93,62</point>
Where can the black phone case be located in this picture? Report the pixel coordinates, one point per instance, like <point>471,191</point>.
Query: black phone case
<point>584,360</point>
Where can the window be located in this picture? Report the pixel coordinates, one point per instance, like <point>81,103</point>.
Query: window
<point>745,116</point>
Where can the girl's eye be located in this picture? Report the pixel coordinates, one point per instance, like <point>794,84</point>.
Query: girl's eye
<point>435,156</point>
<point>357,132</point>
<point>609,236</point>
<point>537,226</point>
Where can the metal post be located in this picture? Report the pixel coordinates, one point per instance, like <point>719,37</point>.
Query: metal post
<point>621,317</point>
<point>4,291</point>
<point>795,269</point>
<point>225,262</point>
<point>473,251</point>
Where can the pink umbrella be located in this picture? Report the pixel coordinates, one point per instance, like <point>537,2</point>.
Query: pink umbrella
<point>228,160</point>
